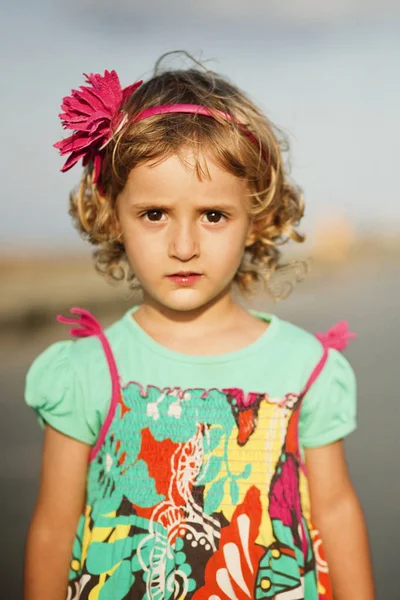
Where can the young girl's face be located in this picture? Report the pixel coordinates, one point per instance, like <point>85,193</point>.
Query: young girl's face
<point>184,237</point>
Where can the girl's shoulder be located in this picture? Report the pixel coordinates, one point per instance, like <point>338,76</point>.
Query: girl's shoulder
<point>298,341</point>
<point>76,355</point>
<point>304,349</point>
<point>328,382</point>
<point>68,384</point>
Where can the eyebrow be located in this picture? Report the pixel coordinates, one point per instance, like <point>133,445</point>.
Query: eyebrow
<point>209,205</point>
<point>150,204</point>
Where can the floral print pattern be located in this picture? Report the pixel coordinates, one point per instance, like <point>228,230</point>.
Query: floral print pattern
<point>198,494</point>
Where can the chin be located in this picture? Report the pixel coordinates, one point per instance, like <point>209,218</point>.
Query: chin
<point>185,304</point>
<point>185,300</point>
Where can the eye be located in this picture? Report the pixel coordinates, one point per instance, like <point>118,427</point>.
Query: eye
<point>214,216</point>
<point>153,215</point>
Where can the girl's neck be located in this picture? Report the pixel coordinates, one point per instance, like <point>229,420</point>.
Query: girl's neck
<point>223,326</point>
<point>218,314</point>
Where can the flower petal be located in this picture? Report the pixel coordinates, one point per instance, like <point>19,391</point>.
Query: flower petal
<point>129,90</point>
<point>96,168</point>
<point>72,160</point>
<point>92,112</point>
<point>76,142</point>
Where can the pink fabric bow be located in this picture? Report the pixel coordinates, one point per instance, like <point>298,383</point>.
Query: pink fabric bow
<point>337,337</point>
<point>93,113</point>
<point>86,323</point>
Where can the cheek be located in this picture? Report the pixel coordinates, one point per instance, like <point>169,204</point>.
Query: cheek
<point>133,241</point>
<point>231,241</point>
<point>145,252</point>
<point>137,249</point>
<point>224,253</point>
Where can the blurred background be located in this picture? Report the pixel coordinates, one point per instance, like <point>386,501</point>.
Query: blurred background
<point>327,73</point>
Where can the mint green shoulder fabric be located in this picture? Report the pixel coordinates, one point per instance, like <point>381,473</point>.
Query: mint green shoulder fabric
<point>69,385</point>
<point>329,411</point>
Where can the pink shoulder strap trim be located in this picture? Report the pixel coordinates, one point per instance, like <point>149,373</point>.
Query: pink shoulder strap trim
<point>87,325</point>
<point>337,338</point>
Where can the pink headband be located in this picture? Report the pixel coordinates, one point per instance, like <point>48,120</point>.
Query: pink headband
<point>194,109</point>
<point>94,114</point>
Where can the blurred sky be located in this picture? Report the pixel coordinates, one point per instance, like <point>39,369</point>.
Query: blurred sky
<point>326,72</point>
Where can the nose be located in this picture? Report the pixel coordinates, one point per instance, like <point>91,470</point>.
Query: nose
<point>184,242</point>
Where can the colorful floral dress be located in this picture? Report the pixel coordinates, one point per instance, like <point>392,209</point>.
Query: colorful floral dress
<point>197,494</point>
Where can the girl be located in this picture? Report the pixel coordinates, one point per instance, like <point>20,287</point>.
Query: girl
<point>194,448</point>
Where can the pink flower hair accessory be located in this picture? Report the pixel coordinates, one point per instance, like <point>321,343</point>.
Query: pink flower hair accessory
<point>94,113</point>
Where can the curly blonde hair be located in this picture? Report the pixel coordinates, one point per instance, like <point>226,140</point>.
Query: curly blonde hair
<point>276,204</point>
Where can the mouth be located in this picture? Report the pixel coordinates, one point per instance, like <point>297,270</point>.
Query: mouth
<point>185,274</point>
<point>186,278</point>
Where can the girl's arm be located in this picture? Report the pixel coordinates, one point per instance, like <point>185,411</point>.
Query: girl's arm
<point>58,508</point>
<point>337,514</point>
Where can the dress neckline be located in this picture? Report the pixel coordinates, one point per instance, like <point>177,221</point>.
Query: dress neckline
<point>264,339</point>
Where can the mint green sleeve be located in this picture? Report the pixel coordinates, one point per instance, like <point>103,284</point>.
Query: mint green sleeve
<point>55,392</point>
<point>328,412</point>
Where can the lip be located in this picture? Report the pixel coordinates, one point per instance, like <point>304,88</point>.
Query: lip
<point>184,274</point>
<point>185,278</point>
